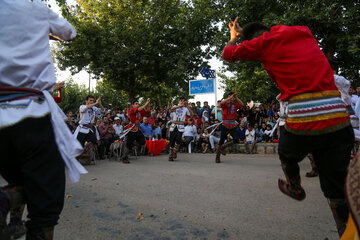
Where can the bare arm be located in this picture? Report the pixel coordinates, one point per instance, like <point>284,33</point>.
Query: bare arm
<point>145,106</point>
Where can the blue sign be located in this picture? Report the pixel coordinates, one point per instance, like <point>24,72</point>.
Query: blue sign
<point>201,86</point>
<point>207,73</point>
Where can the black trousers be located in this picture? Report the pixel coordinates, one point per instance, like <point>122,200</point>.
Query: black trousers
<point>30,158</point>
<point>175,137</point>
<point>331,153</point>
<point>87,137</point>
<point>132,136</point>
<point>225,131</point>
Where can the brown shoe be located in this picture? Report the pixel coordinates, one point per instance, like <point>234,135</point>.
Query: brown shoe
<point>222,150</point>
<point>171,155</point>
<point>285,188</point>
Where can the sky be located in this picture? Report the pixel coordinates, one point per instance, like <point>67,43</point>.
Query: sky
<point>83,77</point>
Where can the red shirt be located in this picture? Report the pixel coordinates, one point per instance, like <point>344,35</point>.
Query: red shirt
<point>292,58</point>
<point>136,116</point>
<point>289,54</point>
<point>229,114</point>
<point>57,99</point>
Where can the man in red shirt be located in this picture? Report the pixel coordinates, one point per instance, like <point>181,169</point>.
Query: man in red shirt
<point>317,121</point>
<point>229,124</point>
<point>136,114</point>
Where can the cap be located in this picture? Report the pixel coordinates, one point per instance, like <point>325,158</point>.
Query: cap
<point>116,118</point>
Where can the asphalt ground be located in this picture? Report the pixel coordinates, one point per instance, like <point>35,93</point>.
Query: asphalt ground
<point>192,198</point>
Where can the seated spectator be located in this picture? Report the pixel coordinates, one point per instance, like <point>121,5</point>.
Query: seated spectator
<point>198,141</point>
<point>70,121</point>
<point>243,118</point>
<point>107,133</point>
<point>205,136</point>
<point>118,127</point>
<point>152,118</point>
<point>241,131</point>
<point>212,119</point>
<point>189,133</point>
<point>163,130</point>
<point>257,131</point>
<point>269,121</point>
<point>156,131</point>
<point>146,129</point>
<point>215,136</point>
<point>197,120</point>
<point>205,117</point>
<point>267,133</point>
<point>250,139</point>
<point>121,115</point>
<point>109,117</point>
<point>262,132</point>
<point>97,122</point>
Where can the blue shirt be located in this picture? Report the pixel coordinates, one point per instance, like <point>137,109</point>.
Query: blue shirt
<point>146,129</point>
<point>157,131</point>
<point>241,133</point>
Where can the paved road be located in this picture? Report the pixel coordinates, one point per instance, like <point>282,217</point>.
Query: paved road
<point>192,198</point>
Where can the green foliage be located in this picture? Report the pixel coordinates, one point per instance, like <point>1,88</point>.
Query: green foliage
<point>335,24</point>
<point>145,48</point>
<point>74,96</point>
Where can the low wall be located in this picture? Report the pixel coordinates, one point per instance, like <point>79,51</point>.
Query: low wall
<point>260,148</point>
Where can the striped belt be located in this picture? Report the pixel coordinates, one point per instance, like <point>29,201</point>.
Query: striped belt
<point>14,93</point>
<point>317,106</point>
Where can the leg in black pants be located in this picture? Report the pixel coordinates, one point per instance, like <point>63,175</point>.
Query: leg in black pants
<point>175,142</point>
<point>331,153</point>
<point>224,132</point>
<point>34,162</point>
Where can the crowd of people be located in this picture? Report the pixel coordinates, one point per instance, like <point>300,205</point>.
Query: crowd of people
<point>202,130</point>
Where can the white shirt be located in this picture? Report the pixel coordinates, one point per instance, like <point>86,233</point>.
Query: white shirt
<point>267,132</point>
<point>344,85</point>
<point>250,135</point>
<point>118,129</point>
<point>25,62</point>
<point>189,131</point>
<point>179,116</point>
<point>87,116</point>
<point>25,59</point>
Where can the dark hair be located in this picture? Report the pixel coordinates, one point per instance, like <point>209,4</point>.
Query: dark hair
<point>134,101</point>
<point>268,126</point>
<point>182,98</point>
<point>334,65</point>
<point>89,96</point>
<point>254,30</point>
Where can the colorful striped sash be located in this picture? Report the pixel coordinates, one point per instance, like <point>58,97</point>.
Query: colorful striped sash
<point>311,107</point>
<point>13,93</point>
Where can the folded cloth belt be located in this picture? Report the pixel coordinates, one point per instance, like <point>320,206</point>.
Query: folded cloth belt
<point>14,93</point>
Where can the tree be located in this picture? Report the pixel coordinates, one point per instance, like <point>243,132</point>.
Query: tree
<point>142,47</point>
<point>335,24</point>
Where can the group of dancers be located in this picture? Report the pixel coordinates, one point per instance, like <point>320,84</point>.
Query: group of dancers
<point>36,145</point>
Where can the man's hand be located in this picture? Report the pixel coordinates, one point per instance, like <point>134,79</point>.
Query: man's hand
<point>235,30</point>
<point>98,101</point>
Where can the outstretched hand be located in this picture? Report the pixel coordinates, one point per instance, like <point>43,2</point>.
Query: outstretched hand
<point>235,30</point>
<point>98,101</point>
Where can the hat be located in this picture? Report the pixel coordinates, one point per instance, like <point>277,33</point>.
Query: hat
<point>116,118</point>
